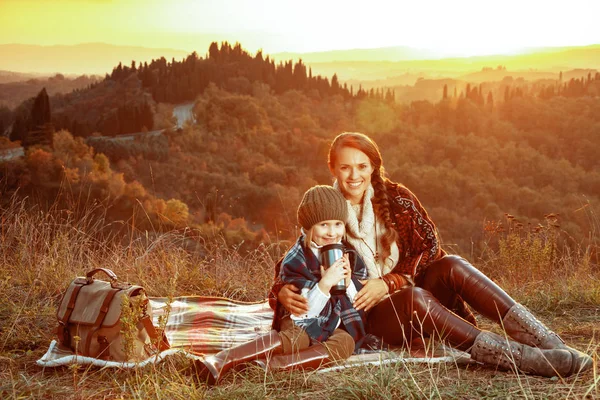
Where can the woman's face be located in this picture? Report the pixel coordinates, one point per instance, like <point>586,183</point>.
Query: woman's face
<point>328,232</point>
<point>353,171</point>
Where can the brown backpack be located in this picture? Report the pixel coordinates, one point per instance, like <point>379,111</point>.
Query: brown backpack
<point>107,320</point>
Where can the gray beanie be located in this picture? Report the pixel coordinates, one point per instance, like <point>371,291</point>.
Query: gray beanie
<point>321,203</point>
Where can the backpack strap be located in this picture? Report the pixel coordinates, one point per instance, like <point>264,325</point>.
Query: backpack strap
<point>162,343</point>
<point>101,316</point>
<point>62,330</point>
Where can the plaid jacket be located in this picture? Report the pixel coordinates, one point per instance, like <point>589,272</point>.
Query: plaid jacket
<point>301,268</point>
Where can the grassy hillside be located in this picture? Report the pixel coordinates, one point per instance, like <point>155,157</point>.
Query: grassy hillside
<point>508,170</point>
<point>43,251</point>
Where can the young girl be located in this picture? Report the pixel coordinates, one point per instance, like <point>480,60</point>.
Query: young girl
<point>332,329</point>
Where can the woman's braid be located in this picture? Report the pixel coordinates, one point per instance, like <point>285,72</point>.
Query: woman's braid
<point>381,207</point>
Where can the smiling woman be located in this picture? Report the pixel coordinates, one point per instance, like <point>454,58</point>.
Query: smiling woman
<point>415,289</point>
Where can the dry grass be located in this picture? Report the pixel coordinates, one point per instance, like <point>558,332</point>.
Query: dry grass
<point>43,251</point>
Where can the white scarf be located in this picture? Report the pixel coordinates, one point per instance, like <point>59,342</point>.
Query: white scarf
<point>364,233</point>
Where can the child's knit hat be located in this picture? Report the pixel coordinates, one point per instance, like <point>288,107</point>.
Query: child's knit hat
<point>322,203</point>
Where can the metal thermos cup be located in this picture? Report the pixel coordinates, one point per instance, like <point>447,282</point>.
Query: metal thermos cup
<point>329,254</point>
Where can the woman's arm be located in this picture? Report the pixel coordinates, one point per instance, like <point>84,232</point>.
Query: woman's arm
<point>421,243</point>
<point>290,298</point>
<point>293,274</point>
<point>396,281</point>
<point>286,296</point>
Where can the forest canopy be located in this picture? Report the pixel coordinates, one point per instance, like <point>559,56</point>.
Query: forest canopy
<point>262,133</point>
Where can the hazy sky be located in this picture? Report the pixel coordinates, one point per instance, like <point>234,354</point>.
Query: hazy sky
<point>465,27</point>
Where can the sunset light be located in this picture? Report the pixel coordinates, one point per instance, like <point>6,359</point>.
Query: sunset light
<point>457,28</point>
<point>412,164</point>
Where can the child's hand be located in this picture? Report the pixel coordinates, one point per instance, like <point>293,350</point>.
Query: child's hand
<point>331,276</point>
<point>347,268</point>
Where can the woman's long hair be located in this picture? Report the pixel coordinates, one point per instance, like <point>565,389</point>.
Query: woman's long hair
<point>381,205</point>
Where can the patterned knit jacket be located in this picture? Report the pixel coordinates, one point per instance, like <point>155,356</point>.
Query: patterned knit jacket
<point>418,244</point>
<point>418,241</point>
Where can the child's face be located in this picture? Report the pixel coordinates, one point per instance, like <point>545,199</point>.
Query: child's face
<point>328,232</point>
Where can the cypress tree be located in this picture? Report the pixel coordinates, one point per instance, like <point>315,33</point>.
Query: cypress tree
<point>335,85</point>
<point>40,112</point>
<point>213,51</point>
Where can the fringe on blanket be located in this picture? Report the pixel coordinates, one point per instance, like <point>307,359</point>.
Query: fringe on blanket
<point>206,325</point>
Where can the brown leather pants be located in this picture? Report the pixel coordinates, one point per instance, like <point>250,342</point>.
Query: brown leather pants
<point>423,311</point>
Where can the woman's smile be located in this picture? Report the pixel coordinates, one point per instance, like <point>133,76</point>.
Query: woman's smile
<point>353,171</point>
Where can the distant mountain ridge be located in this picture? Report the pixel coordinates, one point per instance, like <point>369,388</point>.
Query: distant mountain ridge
<point>405,53</point>
<point>551,60</point>
<point>10,76</point>
<point>85,58</point>
<point>101,58</point>
<point>394,53</point>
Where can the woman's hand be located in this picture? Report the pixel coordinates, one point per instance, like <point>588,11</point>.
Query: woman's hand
<point>370,294</point>
<point>290,298</point>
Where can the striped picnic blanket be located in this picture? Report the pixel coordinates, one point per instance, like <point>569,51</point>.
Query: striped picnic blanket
<point>202,325</point>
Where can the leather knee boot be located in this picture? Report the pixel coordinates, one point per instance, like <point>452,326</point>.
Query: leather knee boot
<point>521,325</point>
<point>212,368</point>
<point>453,276</point>
<point>428,315</point>
<point>312,357</point>
<point>495,350</point>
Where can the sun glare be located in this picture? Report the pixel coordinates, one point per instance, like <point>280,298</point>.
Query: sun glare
<point>459,28</point>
